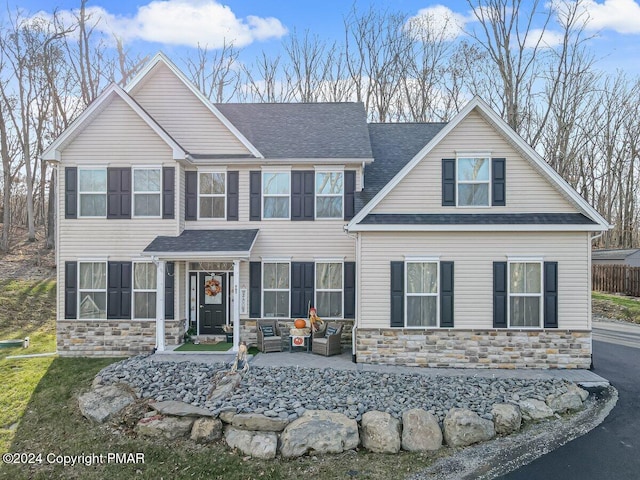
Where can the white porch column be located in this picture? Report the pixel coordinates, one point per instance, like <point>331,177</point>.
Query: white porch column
<point>160,266</point>
<point>236,305</point>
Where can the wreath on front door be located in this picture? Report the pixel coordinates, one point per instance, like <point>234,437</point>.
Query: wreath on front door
<point>212,287</point>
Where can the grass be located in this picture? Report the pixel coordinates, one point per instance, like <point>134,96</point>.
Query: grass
<point>616,306</point>
<point>204,347</point>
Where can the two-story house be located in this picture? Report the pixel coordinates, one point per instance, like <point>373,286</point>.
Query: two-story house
<point>442,244</point>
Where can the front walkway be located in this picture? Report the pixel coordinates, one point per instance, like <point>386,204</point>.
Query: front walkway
<point>584,378</point>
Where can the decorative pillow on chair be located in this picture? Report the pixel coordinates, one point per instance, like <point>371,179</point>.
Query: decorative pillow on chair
<point>267,331</point>
<point>331,330</point>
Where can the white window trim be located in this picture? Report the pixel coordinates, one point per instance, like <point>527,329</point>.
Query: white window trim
<point>407,294</point>
<point>317,195</point>
<point>134,192</point>
<point>482,156</point>
<point>539,295</point>
<point>214,195</point>
<point>135,290</point>
<point>275,195</point>
<point>288,290</point>
<point>329,290</point>
<point>80,193</point>
<point>93,290</point>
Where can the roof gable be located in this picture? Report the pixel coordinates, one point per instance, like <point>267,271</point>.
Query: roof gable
<point>525,152</point>
<point>194,112</point>
<point>53,151</point>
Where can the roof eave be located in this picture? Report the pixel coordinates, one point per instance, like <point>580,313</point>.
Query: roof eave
<point>473,228</point>
<point>230,255</point>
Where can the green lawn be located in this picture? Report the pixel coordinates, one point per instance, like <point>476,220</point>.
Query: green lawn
<point>616,307</point>
<point>205,347</point>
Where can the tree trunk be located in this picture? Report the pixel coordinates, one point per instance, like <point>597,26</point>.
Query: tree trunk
<point>51,212</point>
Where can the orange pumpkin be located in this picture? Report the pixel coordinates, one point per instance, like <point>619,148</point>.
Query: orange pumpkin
<point>300,323</point>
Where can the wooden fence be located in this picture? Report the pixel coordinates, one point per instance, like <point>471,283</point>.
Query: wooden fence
<point>616,279</point>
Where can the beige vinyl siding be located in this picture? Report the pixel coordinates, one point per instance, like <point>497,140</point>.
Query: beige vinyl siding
<point>117,137</point>
<point>421,190</point>
<point>473,255</point>
<point>183,115</point>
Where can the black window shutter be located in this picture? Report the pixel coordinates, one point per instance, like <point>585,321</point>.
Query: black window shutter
<point>255,289</point>
<point>302,195</point>
<point>70,193</point>
<point>232,195</point>
<point>349,289</point>
<point>349,194</point>
<point>397,294</point>
<point>255,196</point>
<point>191,195</point>
<point>500,294</point>
<point>119,278</point>
<point>448,182</point>
<point>169,286</point>
<point>168,192</point>
<point>118,193</point>
<point>498,182</point>
<point>301,288</point>
<point>550,294</point>
<point>70,289</point>
<point>446,294</point>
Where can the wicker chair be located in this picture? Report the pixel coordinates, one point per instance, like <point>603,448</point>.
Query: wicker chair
<point>272,343</point>
<point>324,344</point>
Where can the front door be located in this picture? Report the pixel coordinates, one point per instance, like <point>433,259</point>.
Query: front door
<point>213,304</point>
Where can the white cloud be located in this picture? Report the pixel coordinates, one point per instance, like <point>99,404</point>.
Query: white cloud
<point>622,16</point>
<point>186,23</point>
<point>441,19</point>
<point>549,38</point>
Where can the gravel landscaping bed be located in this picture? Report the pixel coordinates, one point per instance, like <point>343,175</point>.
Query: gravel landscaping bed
<point>286,392</point>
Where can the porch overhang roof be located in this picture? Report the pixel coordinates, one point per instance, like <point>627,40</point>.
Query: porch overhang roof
<point>204,244</point>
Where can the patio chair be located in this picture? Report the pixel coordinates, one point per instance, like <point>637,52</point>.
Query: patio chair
<point>327,342</point>
<point>269,338</point>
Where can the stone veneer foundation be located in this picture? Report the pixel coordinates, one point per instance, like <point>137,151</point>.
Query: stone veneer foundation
<point>113,337</point>
<point>475,348</point>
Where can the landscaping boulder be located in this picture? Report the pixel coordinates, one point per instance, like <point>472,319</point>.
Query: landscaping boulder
<point>581,392</point>
<point>564,402</point>
<point>206,429</point>
<point>256,444</point>
<point>168,427</point>
<point>225,386</point>
<point>380,432</point>
<point>319,431</point>
<point>180,409</point>
<point>533,409</point>
<point>102,403</point>
<point>463,427</point>
<point>420,431</point>
<point>507,418</point>
<point>258,422</point>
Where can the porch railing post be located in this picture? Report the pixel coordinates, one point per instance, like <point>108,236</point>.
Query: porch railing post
<point>160,269</point>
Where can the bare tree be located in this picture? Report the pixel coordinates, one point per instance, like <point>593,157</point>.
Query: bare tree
<point>215,72</point>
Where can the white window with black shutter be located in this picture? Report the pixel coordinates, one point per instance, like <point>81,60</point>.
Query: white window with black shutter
<point>276,195</point>
<point>92,192</point>
<point>144,290</point>
<point>92,290</point>
<point>473,179</point>
<point>147,192</point>
<point>421,293</point>
<point>275,288</point>
<point>329,190</point>
<point>329,289</point>
<point>212,194</point>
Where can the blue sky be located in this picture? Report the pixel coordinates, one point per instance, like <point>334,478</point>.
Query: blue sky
<point>174,25</point>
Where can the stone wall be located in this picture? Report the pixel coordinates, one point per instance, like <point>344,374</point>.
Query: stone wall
<point>248,331</point>
<point>113,337</point>
<point>475,348</point>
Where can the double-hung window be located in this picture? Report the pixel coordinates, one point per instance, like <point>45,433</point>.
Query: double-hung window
<point>212,190</point>
<point>329,194</point>
<point>92,290</point>
<point>144,290</point>
<point>473,182</point>
<point>276,194</point>
<point>275,291</point>
<point>329,289</point>
<point>92,192</point>
<point>147,184</point>
<point>422,292</point>
<point>525,293</point>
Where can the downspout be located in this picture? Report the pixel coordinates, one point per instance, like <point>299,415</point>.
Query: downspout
<point>356,320</point>
<point>589,309</point>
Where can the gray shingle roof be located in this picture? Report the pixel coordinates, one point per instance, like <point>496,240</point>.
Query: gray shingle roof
<point>204,241</point>
<point>478,219</point>
<point>302,130</point>
<point>613,254</point>
<point>393,146</point>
